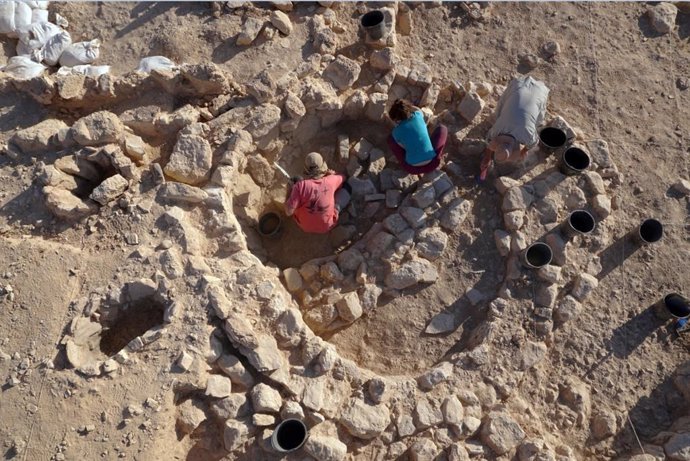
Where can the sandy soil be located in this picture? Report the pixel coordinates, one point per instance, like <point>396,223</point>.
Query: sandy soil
<point>614,79</point>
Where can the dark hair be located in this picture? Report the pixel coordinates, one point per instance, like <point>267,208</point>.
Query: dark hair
<point>401,110</point>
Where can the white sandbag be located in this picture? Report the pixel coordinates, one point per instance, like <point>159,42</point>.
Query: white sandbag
<point>7,17</point>
<point>22,16</point>
<point>23,68</point>
<point>155,63</point>
<point>54,48</point>
<point>42,5</point>
<point>80,53</point>
<point>39,31</point>
<point>39,15</point>
<point>32,3</point>
<point>60,21</point>
<point>88,70</point>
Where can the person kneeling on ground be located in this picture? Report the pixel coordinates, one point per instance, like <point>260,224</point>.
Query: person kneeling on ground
<point>520,111</point>
<point>416,151</point>
<point>317,200</point>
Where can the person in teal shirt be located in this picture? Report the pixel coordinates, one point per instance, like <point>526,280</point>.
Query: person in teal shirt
<point>416,151</point>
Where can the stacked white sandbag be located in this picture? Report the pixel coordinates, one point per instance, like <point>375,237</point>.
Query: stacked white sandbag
<point>87,69</point>
<point>146,65</point>
<point>80,53</point>
<point>23,68</point>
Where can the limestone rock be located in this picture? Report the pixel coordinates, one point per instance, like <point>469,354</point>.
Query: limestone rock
<point>265,399</point>
<point>324,448</point>
<point>109,189</point>
<point>604,426</point>
<point>190,416</point>
<point>599,151</point>
<point>513,220</point>
<point>501,433</point>
<point>218,386</point>
<point>411,273</point>
<point>38,138</point>
<point>568,309</point>
<point>453,412</point>
<point>182,193</point>
<point>383,60</point>
<point>682,187</point>
<point>503,243</point>
<point>376,107</point>
<point>678,447</point>
<point>663,17</point>
<point>595,182</point>
<point>441,323</point>
<point>423,450</point>
<point>293,279</point>
<point>282,22</point>
<point>365,421</point>
<point>349,307</point>
<point>431,243</point>
<point>233,368</point>
<point>602,205</point>
<point>263,87</point>
<point>250,30</point>
<point>427,414</point>
<point>456,452</point>
<point>583,286</point>
<point>65,205</point>
<point>532,354</point>
<point>343,72</point>
<point>455,214</point>
<point>235,433</point>
<point>470,106</point>
<point>190,161</point>
<point>415,217</point>
<point>429,379</point>
<point>101,127</point>
<point>516,198</point>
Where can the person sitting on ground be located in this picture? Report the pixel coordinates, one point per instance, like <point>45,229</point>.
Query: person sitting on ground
<point>416,151</point>
<point>520,111</point>
<point>317,200</point>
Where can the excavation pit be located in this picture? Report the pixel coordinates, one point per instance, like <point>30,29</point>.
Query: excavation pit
<point>129,323</point>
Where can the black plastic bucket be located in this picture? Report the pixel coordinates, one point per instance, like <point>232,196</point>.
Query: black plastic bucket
<point>650,231</point>
<point>673,306</point>
<point>574,161</point>
<point>374,24</point>
<point>537,255</point>
<point>269,224</point>
<point>289,436</point>
<point>552,138</point>
<point>579,222</point>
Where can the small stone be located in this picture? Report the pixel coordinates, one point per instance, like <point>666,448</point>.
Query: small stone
<point>383,60</point>
<point>501,433</point>
<point>528,60</point>
<point>343,72</point>
<point>349,307</point>
<point>470,106</point>
<point>435,376</point>
<point>584,285</point>
<point>514,220</point>
<point>682,187</point>
<point>412,273</point>
<point>250,30</point>
<point>551,49</point>
<point>98,128</point>
<point>393,198</point>
<point>324,448</point>
<point>516,198</point>
<point>376,389</point>
<point>663,17</point>
<point>423,450</point>
<point>282,22</point>
<point>427,414</point>
<point>365,421</point>
<point>503,243</point>
<point>568,309</point>
<point>474,296</point>
<point>233,368</point>
<point>455,214</point>
<point>604,426</point>
<point>262,420</point>
<point>218,386</point>
<point>266,399</point>
<point>550,273</point>
<point>532,354</point>
<point>234,434</point>
<point>293,279</point>
<point>441,323</point>
<point>190,416</point>
<point>602,205</point>
<point>110,189</point>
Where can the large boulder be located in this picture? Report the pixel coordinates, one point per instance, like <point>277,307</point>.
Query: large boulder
<point>324,448</point>
<point>343,72</point>
<point>99,128</point>
<point>190,161</point>
<point>501,433</point>
<point>63,204</point>
<point>365,421</point>
<point>38,138</point>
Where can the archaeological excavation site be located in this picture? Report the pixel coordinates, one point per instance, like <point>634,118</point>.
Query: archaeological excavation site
<point>328,231</point>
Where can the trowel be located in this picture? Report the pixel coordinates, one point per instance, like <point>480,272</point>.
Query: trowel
<point>282,171</point>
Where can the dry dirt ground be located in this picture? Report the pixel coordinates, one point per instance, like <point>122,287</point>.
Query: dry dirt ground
<point>614,79</point>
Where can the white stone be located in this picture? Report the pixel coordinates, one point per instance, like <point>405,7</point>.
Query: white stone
<point>411,273</point>
<point>365,421</point>
<point>218,386</point>
<point>109,189</point>
<point>501,433</point>
<point>324,448</point>
<point>584,285</point>
<point>427,414</point>
<point>455,214</point>
<point>282,22</point>
<point>602,205</point>
<point>233,368</point>
<point>343,72</point>
<point>470,106</point>
<point>349,307</point>
<point>190,161</point>
<point>265,399</point>
<point>502,240</point>
<point>250,30</point>
<point>429,379</point>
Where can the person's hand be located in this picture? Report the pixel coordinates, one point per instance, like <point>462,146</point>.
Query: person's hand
<point>329,172</point>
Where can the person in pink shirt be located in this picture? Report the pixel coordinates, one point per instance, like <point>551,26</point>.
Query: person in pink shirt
<point>317,200</point>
